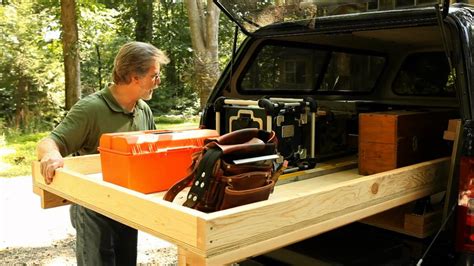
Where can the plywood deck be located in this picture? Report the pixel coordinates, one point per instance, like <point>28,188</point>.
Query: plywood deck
<point>295,211</point>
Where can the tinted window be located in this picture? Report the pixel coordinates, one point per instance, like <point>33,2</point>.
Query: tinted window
<point>425,74</point>
<point>352,72</point>
<point>285,69</point>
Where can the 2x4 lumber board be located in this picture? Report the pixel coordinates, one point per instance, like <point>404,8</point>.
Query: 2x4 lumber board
<point>50,200</point>
<point>289,257</point>
<point>173,223</point>
<point>450,199</point>
<point>89,164</point>
<point>186,257</point>
<point>339,219</point>
<point>312,206</point>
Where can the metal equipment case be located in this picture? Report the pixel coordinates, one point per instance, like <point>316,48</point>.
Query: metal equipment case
<point>293,120</point>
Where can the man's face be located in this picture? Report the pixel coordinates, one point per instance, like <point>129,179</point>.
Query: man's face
<point>149,82</point>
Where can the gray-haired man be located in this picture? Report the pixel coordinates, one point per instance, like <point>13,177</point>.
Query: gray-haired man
<point>117,108</point>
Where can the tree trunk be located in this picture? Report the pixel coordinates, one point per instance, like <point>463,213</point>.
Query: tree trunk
<point>72,71</point>
<point>99,66</point>
<point>144,18</point>
<point>204,25</point>
<point>21,108</point>
<point>170,70</point>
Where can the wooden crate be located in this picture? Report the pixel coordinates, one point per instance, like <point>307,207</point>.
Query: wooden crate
<point>424,224</point>
<point>392,139</point>
<point>401,219</point>
<point>295,211</point>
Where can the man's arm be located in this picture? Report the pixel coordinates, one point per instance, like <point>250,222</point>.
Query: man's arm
<point>50,158</point>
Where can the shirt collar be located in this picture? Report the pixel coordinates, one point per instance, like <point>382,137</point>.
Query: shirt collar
<point>140,104</point>
<point>106,94</point>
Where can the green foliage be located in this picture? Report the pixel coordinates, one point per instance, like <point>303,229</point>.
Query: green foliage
<point>226,40</point>
<point>171,34</point>
<point>175,95</point>
<point>99,43</point>
<point>31,52</point>
<point>22,153</point>
<point>15,138</point>
<point>175,119</point>
<point>173,122</point>
<point>31,71</point>
<point>168,99</point>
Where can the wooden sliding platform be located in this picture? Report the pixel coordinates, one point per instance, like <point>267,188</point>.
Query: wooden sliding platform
<point>330,196</point>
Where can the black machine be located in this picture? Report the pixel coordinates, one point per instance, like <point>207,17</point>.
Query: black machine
<point>293,120</point>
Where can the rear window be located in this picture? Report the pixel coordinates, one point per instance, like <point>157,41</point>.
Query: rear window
<point>425,74</point>
<point>283,69</point>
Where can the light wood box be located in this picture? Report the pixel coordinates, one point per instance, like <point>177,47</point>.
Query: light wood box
<point>392,139</point>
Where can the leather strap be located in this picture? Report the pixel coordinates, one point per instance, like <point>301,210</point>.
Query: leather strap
<point>279,170</point>
<point>181,184</point>
<point>203,177</point>
<point>176,188</point>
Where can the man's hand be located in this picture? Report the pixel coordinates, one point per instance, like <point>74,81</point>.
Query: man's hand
<point>50,158</point>
<point>48,165</point>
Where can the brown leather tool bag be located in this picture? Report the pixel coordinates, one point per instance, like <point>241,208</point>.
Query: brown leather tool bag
<point>221,178</point>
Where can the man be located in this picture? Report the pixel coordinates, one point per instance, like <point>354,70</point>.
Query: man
<point>118,108</point>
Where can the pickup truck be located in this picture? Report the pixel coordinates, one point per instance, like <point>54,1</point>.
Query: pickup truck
<point>361,57</point>
<point>379,81</point>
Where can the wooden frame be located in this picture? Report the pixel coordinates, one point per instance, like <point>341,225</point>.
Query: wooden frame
<point>295,211</point>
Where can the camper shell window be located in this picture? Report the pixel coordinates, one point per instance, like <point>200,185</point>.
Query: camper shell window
<point>425,74</point>
<point>280,69</point>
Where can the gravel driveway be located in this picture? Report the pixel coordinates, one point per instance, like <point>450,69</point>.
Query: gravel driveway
<point>31,235</point>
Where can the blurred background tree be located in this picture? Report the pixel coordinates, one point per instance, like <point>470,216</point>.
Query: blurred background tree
<point>32,86</point>
<point>31,69</point>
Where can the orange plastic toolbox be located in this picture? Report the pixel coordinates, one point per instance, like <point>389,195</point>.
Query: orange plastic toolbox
<point>150,161</point>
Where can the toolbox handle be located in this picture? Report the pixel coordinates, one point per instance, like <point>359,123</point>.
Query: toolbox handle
<point>164,132</point>
<point>241,102</point>
<point>287,100</point>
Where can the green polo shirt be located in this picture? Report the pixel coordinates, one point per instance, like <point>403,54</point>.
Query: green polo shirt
<point>95,115</point>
